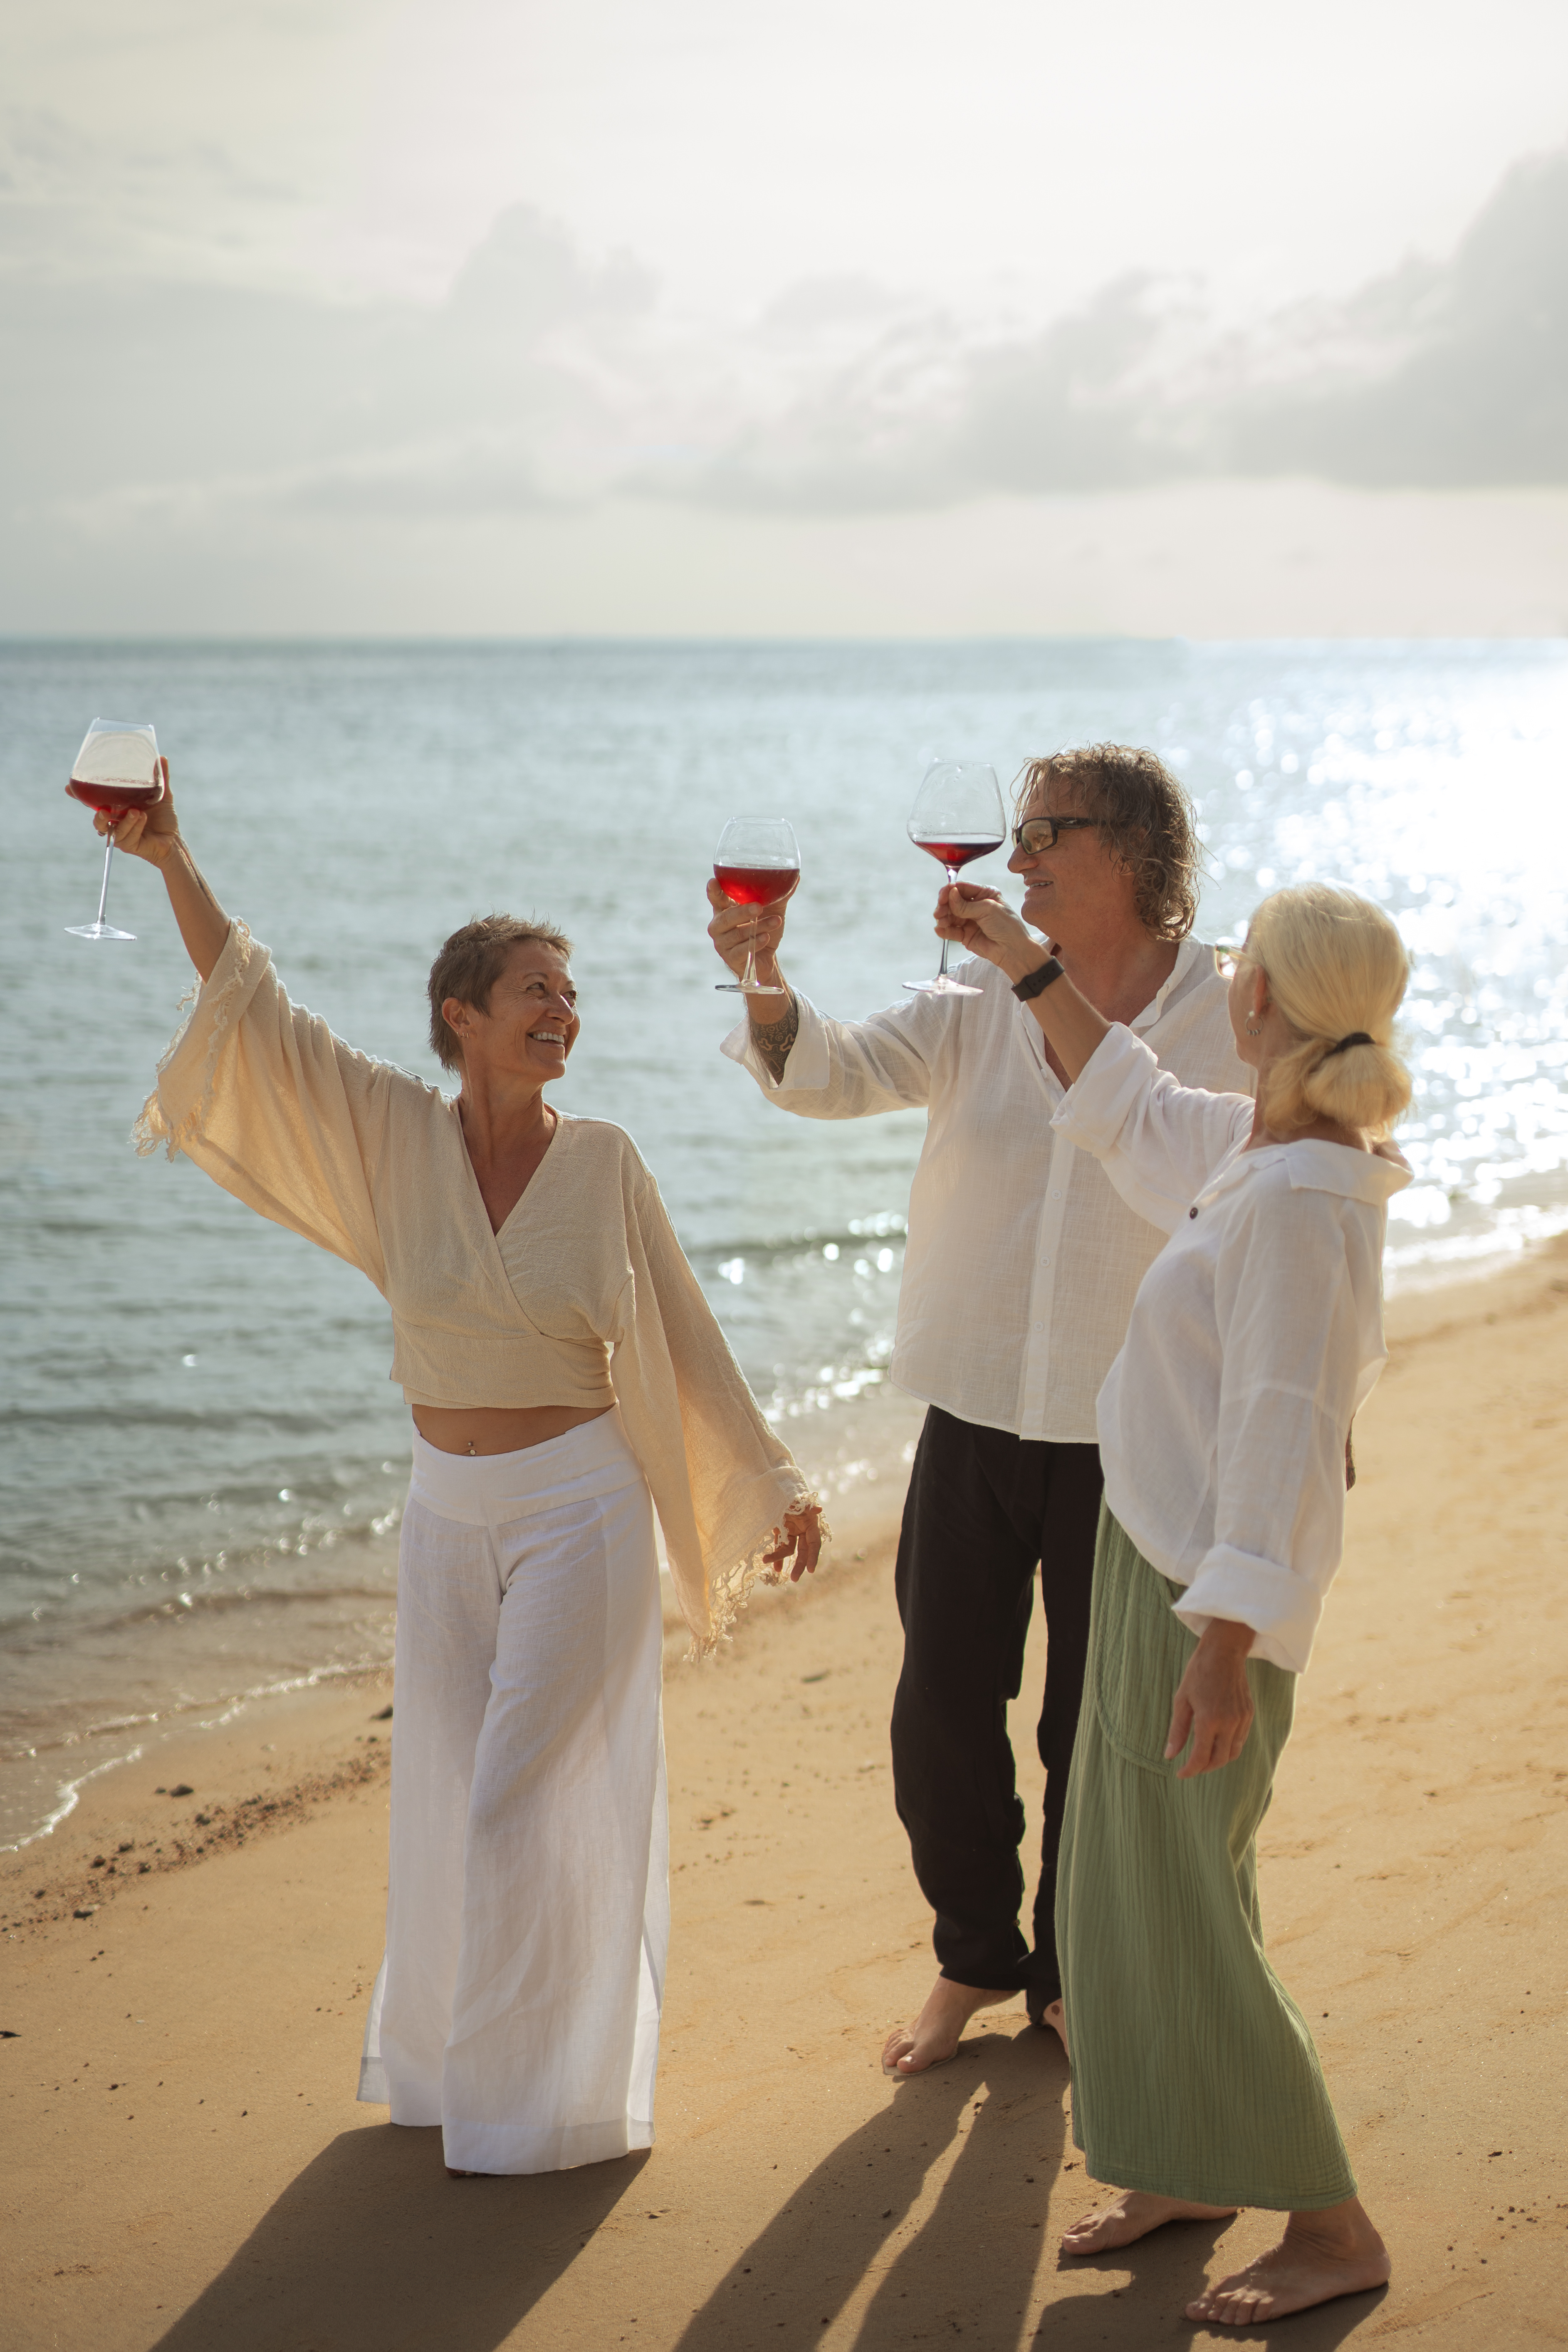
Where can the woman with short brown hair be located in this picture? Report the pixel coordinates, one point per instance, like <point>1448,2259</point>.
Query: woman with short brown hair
<point>567,1377</point>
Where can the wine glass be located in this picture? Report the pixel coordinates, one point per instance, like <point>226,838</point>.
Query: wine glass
<point>957,816</point>
<point>756,862</point>
<point>115,770</point>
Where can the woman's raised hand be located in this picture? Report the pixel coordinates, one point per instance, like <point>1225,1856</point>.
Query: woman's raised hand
<point>149,833</point>
<point>801,1535</point>
<point>733,928</point>
<point>154,834</point>
<point>982,923</point>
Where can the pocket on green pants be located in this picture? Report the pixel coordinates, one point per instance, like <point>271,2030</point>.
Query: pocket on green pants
<point>1139,1651</point>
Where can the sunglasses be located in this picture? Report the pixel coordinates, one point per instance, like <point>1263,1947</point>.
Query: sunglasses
<point>1038,832</point>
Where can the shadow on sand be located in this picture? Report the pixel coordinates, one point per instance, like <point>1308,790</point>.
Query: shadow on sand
<point>984,2254</point>
<point>373,2245</point>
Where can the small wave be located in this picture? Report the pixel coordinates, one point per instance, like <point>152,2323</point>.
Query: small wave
<point>69,1624</point>
<point>181,1706</point>
<point>887,1224</point>
<point>67,1421</point>
<point>67,1796</point>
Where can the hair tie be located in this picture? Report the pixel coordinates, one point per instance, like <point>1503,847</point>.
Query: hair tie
<point>1357,1037</point>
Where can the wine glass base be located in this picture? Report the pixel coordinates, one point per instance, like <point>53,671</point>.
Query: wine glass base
<point>97,932</point>
<point>942,987</point>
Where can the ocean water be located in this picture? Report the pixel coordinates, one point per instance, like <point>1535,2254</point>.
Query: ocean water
<point>201,1457</point>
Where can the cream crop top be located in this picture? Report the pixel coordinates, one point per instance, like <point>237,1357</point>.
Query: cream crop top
<point>584,1298</point>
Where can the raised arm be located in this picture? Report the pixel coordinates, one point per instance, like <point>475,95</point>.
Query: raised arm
<point>154,836</point>
<point>804,1062</point>
<point>255,1090</point>
<point>984,924</point>
<point>1158,1141</point>
<point>734,930</point>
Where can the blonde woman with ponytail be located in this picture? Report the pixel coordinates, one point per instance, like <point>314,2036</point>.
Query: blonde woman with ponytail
<point>1224,1431</point>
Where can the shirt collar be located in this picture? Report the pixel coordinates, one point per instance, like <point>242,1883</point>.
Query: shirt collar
<point>1316,1167</point>
<point>1187,950</point>
<point>1335,1168</point>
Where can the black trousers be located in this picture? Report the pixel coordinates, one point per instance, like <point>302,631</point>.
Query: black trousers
<point>983,1510</point>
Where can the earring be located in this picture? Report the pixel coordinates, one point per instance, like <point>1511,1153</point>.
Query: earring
<point>1252,1031</point>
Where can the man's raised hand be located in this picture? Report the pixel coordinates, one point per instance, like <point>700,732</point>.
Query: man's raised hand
<point>734,930</point>
<point>980,921</point>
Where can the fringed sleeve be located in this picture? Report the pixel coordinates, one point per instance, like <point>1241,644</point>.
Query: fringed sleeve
<point>722,1481</point>
<point>269,1105</point>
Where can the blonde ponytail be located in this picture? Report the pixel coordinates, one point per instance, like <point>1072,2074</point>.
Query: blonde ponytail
<point>1337,969</point>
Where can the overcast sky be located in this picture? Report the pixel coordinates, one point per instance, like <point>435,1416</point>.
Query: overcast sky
<point>331,314</point>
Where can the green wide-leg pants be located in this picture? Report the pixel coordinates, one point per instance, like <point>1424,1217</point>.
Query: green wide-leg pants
<point>1194,2072</point>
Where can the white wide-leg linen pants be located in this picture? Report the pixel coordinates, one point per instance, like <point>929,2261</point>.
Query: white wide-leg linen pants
<point>528,1907</point>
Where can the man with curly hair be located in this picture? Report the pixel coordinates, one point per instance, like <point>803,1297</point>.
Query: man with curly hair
<point>1019,1275</point>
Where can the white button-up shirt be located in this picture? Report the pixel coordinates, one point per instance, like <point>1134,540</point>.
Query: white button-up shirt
<point>1022,1262</point>
<point>1256,1337</point>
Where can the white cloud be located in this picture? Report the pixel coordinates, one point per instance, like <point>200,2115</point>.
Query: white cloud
<point>548,380</point>
<point>280,284</point>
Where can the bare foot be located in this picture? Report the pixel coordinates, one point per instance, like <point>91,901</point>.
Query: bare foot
<point>1320,2256</point>
<point>454,2174</point>
<point>1133,2214</point>
<point>934,2037</point>
<point>1055,2016</point>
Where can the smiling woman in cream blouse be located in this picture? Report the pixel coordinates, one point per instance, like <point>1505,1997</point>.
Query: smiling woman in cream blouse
<point>1224,1424</point>
<point>567,1378</point>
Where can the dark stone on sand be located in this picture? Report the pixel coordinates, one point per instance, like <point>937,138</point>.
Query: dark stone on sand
<point>85,1914</point>
<point>99,1860</point>
<point>182,1789</point>
<point>385,1717</point>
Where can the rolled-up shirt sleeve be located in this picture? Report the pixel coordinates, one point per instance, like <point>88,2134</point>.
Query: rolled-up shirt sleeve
<point>1293,1372</point>
<point>845,1069</point>
<point>1159,1142</point>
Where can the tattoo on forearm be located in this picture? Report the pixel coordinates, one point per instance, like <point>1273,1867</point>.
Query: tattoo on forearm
<point>773,1039</point>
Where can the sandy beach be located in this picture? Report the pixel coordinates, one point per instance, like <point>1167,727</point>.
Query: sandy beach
<point>184,1978</point>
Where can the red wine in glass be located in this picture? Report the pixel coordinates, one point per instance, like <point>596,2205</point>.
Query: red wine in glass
<point>117,799</point>
<point>957,817</point>
<point>115,770</point>
<point>756,885</point>
<point>955,854</point>
<point>756,862</point>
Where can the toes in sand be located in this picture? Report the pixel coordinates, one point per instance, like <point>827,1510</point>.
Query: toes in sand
<point>1132,2214</point>
<point>1306,2268</point>
<point>936,2032</point>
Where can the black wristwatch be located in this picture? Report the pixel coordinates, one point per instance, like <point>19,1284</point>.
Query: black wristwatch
<point>1033,981</point>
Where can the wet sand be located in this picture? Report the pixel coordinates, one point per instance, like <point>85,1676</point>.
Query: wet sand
<point>185,2166</point>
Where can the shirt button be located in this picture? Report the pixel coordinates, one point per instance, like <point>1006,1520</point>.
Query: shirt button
<point>1192,1213</point>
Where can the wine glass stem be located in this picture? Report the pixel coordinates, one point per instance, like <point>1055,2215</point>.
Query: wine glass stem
<point>942,967</point>
<point>103,891</point>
